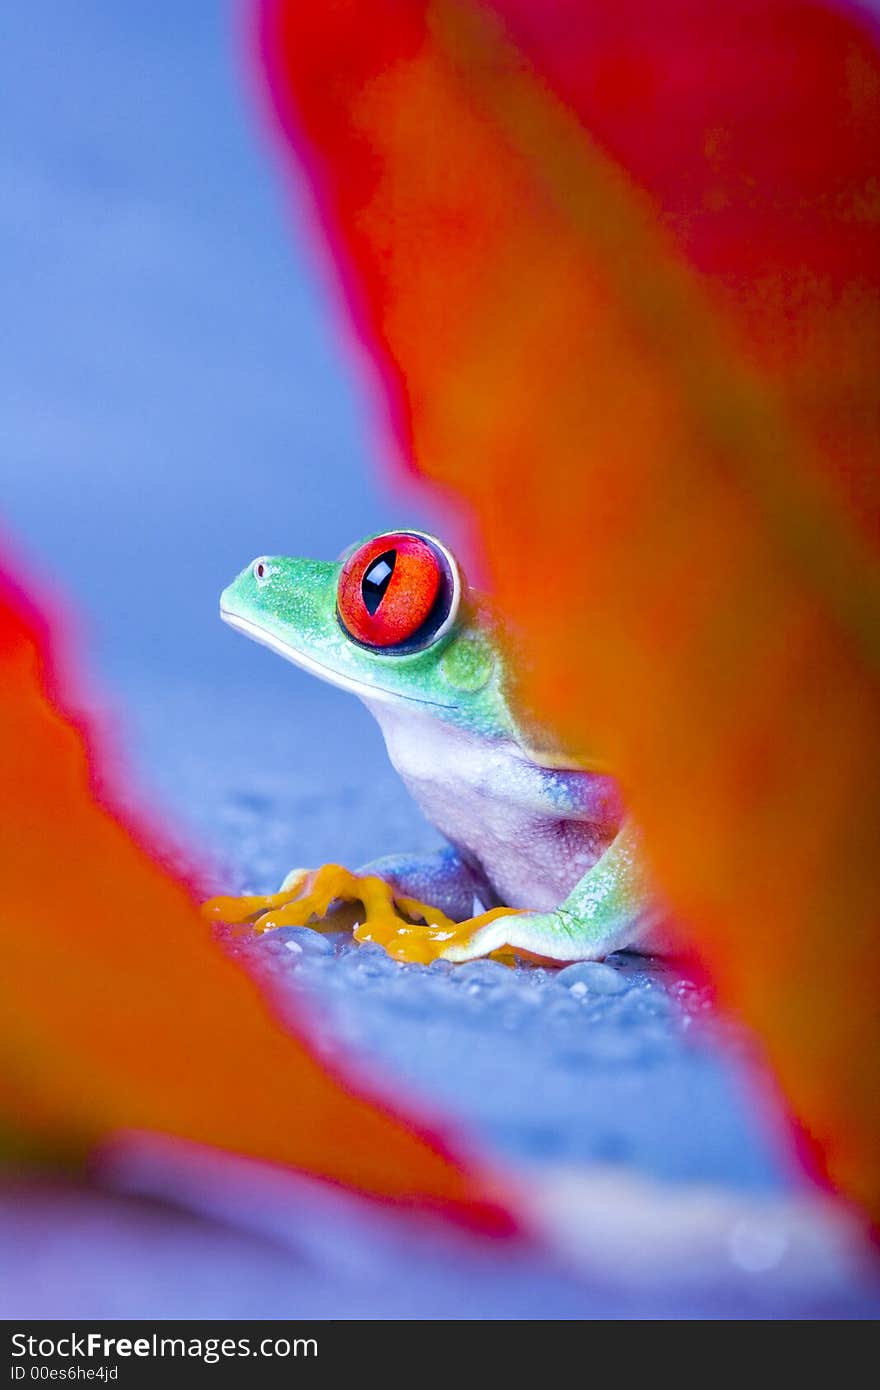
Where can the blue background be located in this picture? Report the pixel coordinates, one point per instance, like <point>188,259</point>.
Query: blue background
<point>178,391</point>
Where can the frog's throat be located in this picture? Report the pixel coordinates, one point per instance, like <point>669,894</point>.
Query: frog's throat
<point>365,689</point>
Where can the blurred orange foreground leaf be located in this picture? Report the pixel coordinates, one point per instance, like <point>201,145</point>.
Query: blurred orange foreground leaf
<point>119,1012</point>
<point>618,265</point>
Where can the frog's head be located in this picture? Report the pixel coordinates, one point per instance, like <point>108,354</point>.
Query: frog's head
<point>392,621</point>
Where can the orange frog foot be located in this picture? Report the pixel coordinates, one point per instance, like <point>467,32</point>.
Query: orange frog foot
<point>408,929</point>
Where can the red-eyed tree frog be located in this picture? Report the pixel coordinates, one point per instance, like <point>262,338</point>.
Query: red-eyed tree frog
<point>542,859</point>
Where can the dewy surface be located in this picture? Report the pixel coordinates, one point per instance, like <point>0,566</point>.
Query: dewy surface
<point>620,1065</point>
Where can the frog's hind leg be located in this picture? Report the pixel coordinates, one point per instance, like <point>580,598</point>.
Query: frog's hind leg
<point>402,897</point>
<point>443,879</point>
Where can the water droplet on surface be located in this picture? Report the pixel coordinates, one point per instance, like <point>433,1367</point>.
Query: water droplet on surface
<point>594,976</point>
<point>757,1245</point>
<point>300,941</point>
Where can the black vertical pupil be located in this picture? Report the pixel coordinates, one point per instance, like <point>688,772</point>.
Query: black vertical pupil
<point>376,580</point>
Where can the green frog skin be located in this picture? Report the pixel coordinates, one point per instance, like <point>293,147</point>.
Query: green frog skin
<point>542,860</point>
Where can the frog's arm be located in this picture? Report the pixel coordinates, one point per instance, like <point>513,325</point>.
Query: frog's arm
<point>610,908</point>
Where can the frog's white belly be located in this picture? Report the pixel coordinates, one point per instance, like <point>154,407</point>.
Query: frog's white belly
<point>531,833</point>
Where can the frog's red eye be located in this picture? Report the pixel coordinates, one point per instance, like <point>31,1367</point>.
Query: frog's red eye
<point>398,590</point>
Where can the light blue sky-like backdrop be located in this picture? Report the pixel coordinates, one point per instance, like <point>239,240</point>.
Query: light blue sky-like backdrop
<point>177,396</point>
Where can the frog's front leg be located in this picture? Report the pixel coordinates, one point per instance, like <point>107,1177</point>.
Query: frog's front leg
<point>610,908</point>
